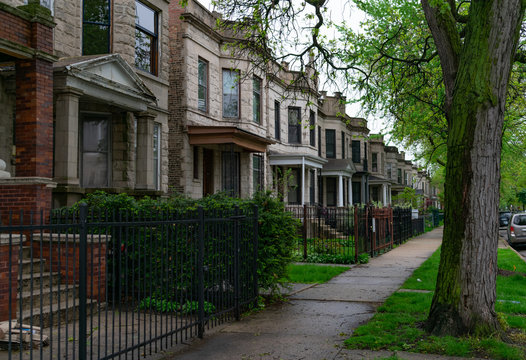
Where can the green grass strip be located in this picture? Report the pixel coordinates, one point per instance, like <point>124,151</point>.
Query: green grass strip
<point>398,323</point>
<point>313,274</point>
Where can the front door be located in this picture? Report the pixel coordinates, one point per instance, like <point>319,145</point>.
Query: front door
<point>208,172</point>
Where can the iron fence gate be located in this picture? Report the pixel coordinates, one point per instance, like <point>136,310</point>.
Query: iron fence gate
<point>95,285</point>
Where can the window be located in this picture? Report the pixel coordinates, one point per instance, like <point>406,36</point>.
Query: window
<point>294,189</point>
<point>356,151</point>
<point>319,142</point>
<point>330,184</point>
<point>96,25</point>
<point>230,170</point>
<point>256,100</point>
<point>230,93</point>
<point>343,145</point>
<point>196,162</point>
<point>399,176</point>
<point>257,172</point>
<point>294,125</point>
<point>356,192</point>
<point>406,182</point>
<point>330,143</point>
<point>312,127</point>
<point>157,156</point>
<point>146,24</point>
<point>202,85</point>
<point>389,170</point>
<point>277,120</point>
<point>95,151</point>
<point>374,162</point>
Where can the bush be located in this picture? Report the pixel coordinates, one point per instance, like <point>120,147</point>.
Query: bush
<point>144,256</point>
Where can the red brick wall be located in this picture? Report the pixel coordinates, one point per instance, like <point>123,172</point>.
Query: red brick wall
<point>15,29</point>
<point>33,197</point>
<point>6,268</point>
<point>176,93</point>
<point>65,260</point>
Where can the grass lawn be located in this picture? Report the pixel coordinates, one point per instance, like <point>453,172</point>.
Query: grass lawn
<point>398,322</point>
<point>312,274</point>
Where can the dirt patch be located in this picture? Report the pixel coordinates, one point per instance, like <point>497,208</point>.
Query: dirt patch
<point>507,273</point>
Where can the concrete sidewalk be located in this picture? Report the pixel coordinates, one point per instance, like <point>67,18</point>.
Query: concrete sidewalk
<point>317,319</point>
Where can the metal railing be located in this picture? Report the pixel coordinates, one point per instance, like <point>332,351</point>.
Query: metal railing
<point>99,286</point>
<point>342,234</point>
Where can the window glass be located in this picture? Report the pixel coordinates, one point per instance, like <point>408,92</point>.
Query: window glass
<point>95,27</point>
<point>312,128</point>
<point>145,38</point>
<point>277,120</point>
<point>520,220</point>
<point>230,93</point>
<point>95,140</point>
<point>294,125</point>
<point>230,170</point>
<point>374,162</point>
<point>330,143</point>
<point>202,92</point>
<point>256,100</point>
<point>257,172</point>
<point>343,145</point>
<point>356,151</point>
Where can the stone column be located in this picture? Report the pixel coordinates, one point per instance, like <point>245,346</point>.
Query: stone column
<point>340,190</point>
<point>144,167</point>
<point>384,194</point>
<point>67,137</point>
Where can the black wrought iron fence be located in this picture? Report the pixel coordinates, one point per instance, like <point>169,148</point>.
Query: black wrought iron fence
<point>342,234</point>
<point>100,286</point>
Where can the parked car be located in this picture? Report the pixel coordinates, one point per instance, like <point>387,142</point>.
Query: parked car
<point>504,218</point>
<point>517,229</point>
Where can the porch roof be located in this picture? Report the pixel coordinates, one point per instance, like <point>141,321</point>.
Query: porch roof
<point>337,167</point>
<point>286,159</point>
<point>213,135</point>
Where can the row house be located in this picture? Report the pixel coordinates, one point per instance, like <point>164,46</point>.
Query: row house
<point>149,97</point>
<point>97,86</point>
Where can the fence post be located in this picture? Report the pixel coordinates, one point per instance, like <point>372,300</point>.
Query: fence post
<point>83,263</point>
<point>236,263</point>
<point>356,247</point>
<point>256,235</point>
<point>304,232</point>
<point>201,273</point>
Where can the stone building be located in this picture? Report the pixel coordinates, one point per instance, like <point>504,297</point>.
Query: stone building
<point>379,181</point>
<point>107,100</point>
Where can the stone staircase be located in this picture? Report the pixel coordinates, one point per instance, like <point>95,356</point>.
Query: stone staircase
<point>322,230</point>
<point>44,299</point>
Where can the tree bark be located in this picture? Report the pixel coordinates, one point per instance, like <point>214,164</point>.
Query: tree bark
<point>465,295</point>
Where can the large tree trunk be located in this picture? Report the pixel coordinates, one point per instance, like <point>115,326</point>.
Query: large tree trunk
<point>465,295</point>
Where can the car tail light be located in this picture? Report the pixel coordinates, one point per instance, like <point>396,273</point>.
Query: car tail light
<point>512,230</point>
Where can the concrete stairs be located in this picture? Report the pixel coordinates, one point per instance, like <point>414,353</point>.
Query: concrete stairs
<point>44,299</point>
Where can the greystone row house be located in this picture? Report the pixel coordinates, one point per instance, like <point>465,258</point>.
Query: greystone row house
<point>148,100</point>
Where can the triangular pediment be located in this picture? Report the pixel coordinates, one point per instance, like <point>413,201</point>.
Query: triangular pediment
<point>107,71</point>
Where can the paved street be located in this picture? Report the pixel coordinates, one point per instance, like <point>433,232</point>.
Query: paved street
<point>521,249</point>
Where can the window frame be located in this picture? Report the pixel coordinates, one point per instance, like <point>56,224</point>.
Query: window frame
<point>297,126</point>
<point>332,154</point>
<point>238,97</point>
<point>200,60</point>
<point>108,25</point>
<point>277,120</point>
<point>312,128</point>
<point>257,113</point>
<point>257,174</point>
<point>231,176</point>
<point>374,162</point>
<point>154,47</point>
<point>108,118</point>
<point>356,151</point>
